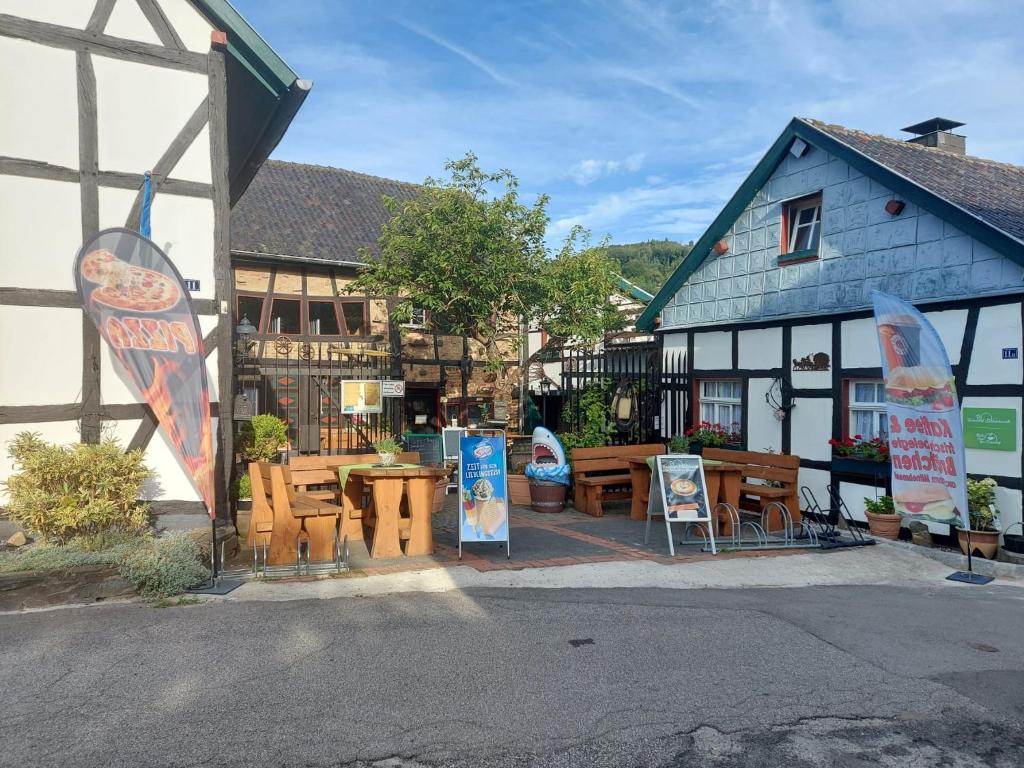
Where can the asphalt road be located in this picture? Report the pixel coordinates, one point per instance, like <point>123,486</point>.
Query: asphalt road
<point>825,676</point>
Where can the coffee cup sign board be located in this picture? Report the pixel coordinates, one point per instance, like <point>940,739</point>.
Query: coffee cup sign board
<point>990,429</point>
<point>483,488</point>
<point>678,492</point>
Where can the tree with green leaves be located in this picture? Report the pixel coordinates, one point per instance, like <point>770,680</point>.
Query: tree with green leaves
<point>471,253</point>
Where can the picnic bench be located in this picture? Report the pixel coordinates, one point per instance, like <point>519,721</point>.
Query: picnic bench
<point>282,518</point>
<point>317,476</point>
<point>603,473</point>
<point>766,477</point>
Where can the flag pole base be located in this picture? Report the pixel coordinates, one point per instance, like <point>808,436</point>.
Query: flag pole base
<point>969,577</point>
<point>218,586</point>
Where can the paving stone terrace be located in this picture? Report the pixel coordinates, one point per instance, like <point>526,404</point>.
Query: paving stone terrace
<point>538,540</point>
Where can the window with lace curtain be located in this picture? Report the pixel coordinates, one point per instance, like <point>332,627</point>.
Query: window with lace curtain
<point>866,400</point>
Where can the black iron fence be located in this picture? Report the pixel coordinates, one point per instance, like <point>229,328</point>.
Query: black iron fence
<point>644,388</point>
<point>300,382</point>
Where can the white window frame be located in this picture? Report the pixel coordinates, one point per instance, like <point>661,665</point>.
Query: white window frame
<point>854,406</point>
<point>793,210</point>
<point>718,402</point>
<point>413,322</point>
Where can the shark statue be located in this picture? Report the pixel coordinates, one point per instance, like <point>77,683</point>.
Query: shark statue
<point>547,461</point>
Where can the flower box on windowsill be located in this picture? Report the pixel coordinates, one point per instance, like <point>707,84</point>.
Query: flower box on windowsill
<point>848,465</point>
<point>697,447</point>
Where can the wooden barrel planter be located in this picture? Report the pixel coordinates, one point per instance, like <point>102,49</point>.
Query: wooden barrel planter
<point>547,497</point>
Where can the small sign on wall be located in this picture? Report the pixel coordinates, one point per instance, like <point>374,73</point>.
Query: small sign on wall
<point>392,388</point>
<point>190,285</point>
<point>1010,353</point>
<point>990,429</point>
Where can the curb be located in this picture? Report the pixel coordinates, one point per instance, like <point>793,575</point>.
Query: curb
<point>958,561</point>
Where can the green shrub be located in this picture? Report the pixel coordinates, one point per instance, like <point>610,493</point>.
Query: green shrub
<point>262,438</point>
<point>164,567</point>
<point>103,549</point>
<point>883,505</point>
<point>244,488</point>
<point>981,504</point>
<point>61,491</point>
<point>595,423</point>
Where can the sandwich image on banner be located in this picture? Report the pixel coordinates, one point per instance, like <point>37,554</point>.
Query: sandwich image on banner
<point>137,299</point>
<point>923,426</point>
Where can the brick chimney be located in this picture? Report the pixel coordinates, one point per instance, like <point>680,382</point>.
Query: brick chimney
<point>937,133</point>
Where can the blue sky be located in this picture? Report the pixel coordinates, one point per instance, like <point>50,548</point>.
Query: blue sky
<point>638,118</point>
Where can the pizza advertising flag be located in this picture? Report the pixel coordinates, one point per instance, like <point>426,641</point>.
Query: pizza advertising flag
<point>137,299</point>
<point>926,442</point>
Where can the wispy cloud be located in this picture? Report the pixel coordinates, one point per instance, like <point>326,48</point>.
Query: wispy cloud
<point>458,50</point>
<point>588,171</point>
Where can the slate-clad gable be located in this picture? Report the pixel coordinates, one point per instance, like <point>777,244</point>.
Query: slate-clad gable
<point>313,212</point>
<point>914,255</point>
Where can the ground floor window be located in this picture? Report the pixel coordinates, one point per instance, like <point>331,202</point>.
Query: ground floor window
<point>866,401</point>
<point>721,402</point>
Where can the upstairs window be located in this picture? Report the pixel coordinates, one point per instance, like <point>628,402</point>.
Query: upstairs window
<point>801,229</point>
<point>417,318</point>
<point>284,316</point>
<point>323,319</point>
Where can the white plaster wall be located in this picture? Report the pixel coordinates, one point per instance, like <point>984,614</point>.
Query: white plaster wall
<point>127,22</point>
<point>811,428</point>
<point>40,232</point>
<point>1006,463</point>
<point>854,494</point>
<point>133,96</point>
<point>817,480</point>
<point>860,344</point>
<point>52,431</point>
<point>191,26</point>
<point>760,348</point>
<point>195,164</point>
<point>42,352</point>
<point>183,228</point>
<point>63,12</point>
<point>998,327</point>
<point>807,340</point>
<point>712,350</point>
<point>38,103</point>
<point>764,431</point>
<point>170,479</point>
<point>950,326</point>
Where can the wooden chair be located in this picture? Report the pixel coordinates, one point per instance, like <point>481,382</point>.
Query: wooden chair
<point>298,518</point>
<point>776,468</point>
<point>595,470</point>
<point>261,521</point>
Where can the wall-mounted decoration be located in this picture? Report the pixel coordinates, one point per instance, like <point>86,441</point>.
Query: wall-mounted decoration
<point>817,361</point>
<point>990,429</point>
<point>721,247</point>
<point>895,207</point>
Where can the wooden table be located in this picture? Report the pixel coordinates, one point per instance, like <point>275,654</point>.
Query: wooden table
<point>723,484</point>
<point>388,486</point>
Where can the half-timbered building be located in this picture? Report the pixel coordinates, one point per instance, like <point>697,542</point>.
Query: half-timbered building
<point>94,95</point>
<point>770,312</point>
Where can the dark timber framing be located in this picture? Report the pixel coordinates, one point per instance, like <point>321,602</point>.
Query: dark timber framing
<point>841,375</point>
<point>91,412</point>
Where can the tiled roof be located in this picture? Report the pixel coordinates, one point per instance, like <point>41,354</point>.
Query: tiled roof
<point>312,212</point>
<point>994,192</point>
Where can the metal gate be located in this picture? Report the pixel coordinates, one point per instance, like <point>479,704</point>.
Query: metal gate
<point>300,383</point>
<point>656,383</point>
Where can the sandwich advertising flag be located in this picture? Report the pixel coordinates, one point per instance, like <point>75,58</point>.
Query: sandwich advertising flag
<point>926,442</point>
<point>135,296</point>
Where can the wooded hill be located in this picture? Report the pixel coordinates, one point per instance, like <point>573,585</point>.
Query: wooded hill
<point>649,264</point>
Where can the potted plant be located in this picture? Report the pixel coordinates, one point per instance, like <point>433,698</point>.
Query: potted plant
<point>518,485</point>
<point>882,518</point>
<point>387,449</point>
<point>712,435</point>
<point>857,456</point>
<point>678,444</point>
<point>984,518</point>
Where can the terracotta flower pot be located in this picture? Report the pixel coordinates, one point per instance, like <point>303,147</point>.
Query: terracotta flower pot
<point>884,526</point>
<point>984,543</point>
<point>518,490</point>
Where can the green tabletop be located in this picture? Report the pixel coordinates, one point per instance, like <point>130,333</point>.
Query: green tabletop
<point>345,469</point>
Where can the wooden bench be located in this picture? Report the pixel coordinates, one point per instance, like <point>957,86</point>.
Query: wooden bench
<point>594,470</point>
<point>291,514</point>
<point>322,472</point>
<point>775,468</point>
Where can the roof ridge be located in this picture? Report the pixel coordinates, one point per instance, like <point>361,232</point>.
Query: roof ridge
<point>821,124</point>
<point>335,169</point>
